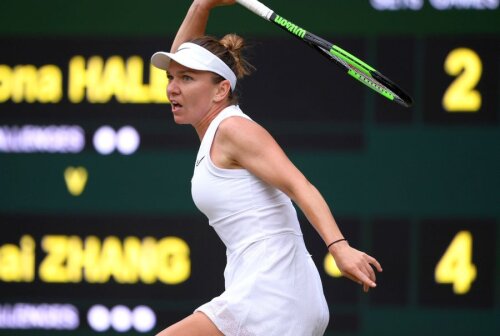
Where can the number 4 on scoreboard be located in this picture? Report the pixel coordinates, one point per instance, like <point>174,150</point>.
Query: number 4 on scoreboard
<point>455,266</point>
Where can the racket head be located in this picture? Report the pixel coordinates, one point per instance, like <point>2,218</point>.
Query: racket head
<point>406,99</point>
<point>362,72</point>
<point>355,67</point>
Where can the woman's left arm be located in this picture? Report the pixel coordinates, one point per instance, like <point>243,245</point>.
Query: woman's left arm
<point>245,143</point>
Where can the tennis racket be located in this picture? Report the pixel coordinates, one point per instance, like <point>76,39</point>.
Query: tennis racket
<point>353,65</point>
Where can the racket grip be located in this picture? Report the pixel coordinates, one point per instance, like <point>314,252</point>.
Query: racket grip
<point>257,7</point>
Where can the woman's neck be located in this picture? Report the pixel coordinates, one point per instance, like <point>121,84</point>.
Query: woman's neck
<point>202,126</point>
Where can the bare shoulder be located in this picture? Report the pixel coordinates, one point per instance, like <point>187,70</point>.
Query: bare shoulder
<point>247,143</point>
<point>244,143</point>
<point>236,129</point>
<point>237,123</point>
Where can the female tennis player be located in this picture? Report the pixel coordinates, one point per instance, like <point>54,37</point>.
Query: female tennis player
<point>244,183</point>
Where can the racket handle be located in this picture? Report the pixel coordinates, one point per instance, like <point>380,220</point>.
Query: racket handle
<point>257,7</point>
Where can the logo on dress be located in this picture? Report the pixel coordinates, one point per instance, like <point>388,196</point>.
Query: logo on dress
<point>199,161</point>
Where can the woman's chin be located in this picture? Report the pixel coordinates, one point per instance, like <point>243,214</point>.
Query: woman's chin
<point>179,120</point>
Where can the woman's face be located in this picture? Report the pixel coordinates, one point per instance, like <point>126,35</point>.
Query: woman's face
<point>191,93</point>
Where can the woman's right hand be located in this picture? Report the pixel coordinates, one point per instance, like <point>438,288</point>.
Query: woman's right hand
<point>209,4</point>
<point>196,20</point>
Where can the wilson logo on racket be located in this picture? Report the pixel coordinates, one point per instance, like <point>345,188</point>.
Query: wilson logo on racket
<point>291,27</point>
<point>355,67</point>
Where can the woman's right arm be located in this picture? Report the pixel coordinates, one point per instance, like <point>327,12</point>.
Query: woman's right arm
<point>196,20</point>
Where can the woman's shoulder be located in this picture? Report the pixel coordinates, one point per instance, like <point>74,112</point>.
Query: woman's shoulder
<point>238,125</point>
<point>242,132</point>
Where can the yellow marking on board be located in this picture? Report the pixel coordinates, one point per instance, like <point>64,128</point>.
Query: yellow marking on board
<point>76,180</point>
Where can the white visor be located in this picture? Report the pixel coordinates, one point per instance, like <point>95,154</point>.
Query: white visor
<point>195,57</point>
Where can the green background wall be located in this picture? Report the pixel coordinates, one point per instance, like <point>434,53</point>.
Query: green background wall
<point>401,182</point>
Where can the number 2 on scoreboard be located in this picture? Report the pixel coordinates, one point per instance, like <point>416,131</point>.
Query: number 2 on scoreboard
<point>455,266</point>
<point>461,95</point>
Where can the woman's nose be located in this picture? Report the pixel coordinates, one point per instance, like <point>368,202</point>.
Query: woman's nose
<point>172,88</point>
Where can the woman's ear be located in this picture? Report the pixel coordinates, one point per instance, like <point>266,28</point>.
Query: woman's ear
<point>223,90</point>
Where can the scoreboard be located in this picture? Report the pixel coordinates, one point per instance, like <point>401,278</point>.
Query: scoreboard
<point>98,232</point>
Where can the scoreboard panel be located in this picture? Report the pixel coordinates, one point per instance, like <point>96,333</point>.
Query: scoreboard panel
<point>98,230</point>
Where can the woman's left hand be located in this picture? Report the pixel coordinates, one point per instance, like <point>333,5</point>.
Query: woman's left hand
<point>355,265</point>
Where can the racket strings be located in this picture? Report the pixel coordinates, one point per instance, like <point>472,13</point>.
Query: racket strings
<point>383,86</point>
<point>360,75</point>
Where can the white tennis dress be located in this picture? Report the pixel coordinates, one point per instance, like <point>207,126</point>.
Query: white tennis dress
<point>272,286</point>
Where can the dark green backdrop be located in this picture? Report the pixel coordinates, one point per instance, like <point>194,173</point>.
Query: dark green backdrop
<point>401,182</point>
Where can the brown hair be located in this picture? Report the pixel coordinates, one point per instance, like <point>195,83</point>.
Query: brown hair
<point>230,50</point>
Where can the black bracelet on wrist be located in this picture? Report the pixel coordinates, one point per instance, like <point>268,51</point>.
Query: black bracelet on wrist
<point>337,241</point>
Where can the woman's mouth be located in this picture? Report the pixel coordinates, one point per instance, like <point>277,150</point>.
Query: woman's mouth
<point>175,106</point>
